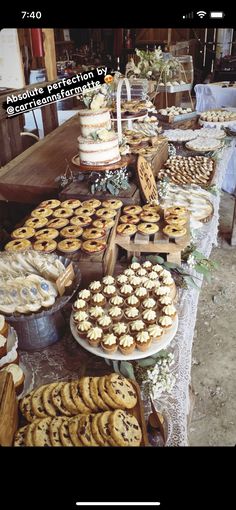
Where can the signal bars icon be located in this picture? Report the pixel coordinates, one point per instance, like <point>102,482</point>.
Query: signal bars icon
<point>190,15</point>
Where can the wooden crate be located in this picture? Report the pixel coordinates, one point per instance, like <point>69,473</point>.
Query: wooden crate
<point>81,190</point>
<point>160,158</point>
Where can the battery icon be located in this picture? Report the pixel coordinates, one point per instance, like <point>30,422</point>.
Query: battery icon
<point>217,14</point>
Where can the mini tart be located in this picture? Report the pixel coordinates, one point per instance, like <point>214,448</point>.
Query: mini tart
<point>81,220</point>
<point>168,280</point>
<point>108,280</point>
<point>18,245</point>
<point>165,300</point>
<point>94,336</point>
<point>156,332</point>
<point>72,203</point>
<point>94,246</point>
<point>126,344</point>
<point>36,222</point>
<point>143,340</point>
<point>84,294</point>
<point>149,316</point>
<point>137,325</point>
<point>149,304</point>
<point>46,234</point>
<point>135,266</point>
<point>83,328</point>
<point>147,265</point>
<point>105,213</point>
<point>132,301</point>
<point>121,328</point>
<point>129,272</point>
<point>109,291</point>
<point>126,290</point>
<point>141,271</point>
<point>153,275</point>
<point>93,233</point>
<point>121,279</point>
<point>104,224</point>
<point>135,281</point>
<point>63,212</point>
<point>84,211</point>
<point>117,301</point>
<point>104,322</point>
<point>148,228</point>
<point>71,232</point>
<point>157,268</point>
<point>80,316</point>
<point>131,313</point>
<point>126,229</point>
<point>174,231</point>
<point>23,233</point>
<point>112,203</point>
<point>95,312</point>
<point>169,310</point>
<point>149,217</point>
<point>163,290</point>
<point>79,305</point>
<point>109,343</point>
<point>132,219</point>
<point>175,219</point>
<point>57,223</point>
<point>165,321</point>
<point>141,293</point>
<point>42,212</point>
<point>115,313</point>
<point>52,203</point>
<point>91,203</point>
<point>69,245</point>
<point>95,286</point>
<point>151,208</point>
<point>132,209</point>
<point>149,285</point>
<point>176,210</point>
<point>98,299</point>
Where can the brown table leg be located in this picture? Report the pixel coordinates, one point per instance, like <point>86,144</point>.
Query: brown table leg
<point>233,234</point>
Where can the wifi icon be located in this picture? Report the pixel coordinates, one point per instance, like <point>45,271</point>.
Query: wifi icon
<point>201,14</point>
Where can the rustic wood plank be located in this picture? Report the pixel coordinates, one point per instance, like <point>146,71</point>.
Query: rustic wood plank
<point>8,409</point>
<point>141,239</point>
<point>49,118</point>
<point>50,53</point>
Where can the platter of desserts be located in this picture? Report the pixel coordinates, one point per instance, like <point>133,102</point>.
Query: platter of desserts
<point>188,170</point>
<point>185,135</point>
<point>204,144</point>
<point>173,114</point>
<point>195,199</point>
<point>217,117</point>
<point>131,109</point>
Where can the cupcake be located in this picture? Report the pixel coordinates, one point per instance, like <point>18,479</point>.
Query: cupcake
<point>84,294</point>
<point>155,331</point>
<point>168,280</point>
<point>126,290</point>
<point>120,329</point>
<point>79,305</point>
<point>169,310</point>
<point>94,336</point>
<point>109,343</point>
<point>157,268</point>
<point>3,346</point>
<point>3,326</point>
<point>129,272</point>
<point>143,340</point>
<point>165,321</point>
<point>156,284</point>
<point>17,375</point>
<point>149,316</point>
<point>149,285</point>
<point>104,322</point>
<point>163,290</point>
<point>135,281</point>
<point>135,266</point>
<point>132,301</point>
<point>98,299</point>
<point>131,313</point>
<point>115,313</point>
<point>83,328</point>
<point>137,326</point>
<point>141,272</point>
<point>126,344</point>
<point>164,273</point>
<point>149,303</point>
<point>144,279</point>
<point>80,316</point>
<point>117,300</point>
<point>147,265</point>
<point>109,290</point>
<point>165,300</point>
<point>122,279</point>
<point>95,312</point>
<point>108,280</point>
<point>95,286</point>
<point>141,293</point>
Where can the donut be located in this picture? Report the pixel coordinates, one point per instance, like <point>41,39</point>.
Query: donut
<point>104,224</point>
<point>93,246</point>
<point>46,234</point>
<point>112,203</point>
<point>148,228</point>
<point>72,203</point>
<point>132,209</point>
<point>126,229</point>
<point>69,245</point>
<point>23,233</point>
<point>63,212</point>
<point>36,222</point>
<point>71,231</point>
<point>181,211</point>
<point>149,217</point>
<point>58,223</point>
<point>51,203</point>
<point>81,220</point>
<point>87,211</point>
<point>174,231</point>
<point>130,218</point>
<point>106,213</point>
<point>92,203</point>
<point>18,245</point>
<point>43,212</point>
<point>174,219</point>
<point>45,246</point>
<point>93,233</point>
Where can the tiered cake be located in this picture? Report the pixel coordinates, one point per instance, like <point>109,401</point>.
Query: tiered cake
<point>98,144</point>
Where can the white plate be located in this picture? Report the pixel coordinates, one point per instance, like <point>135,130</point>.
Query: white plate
<point>155,346</point>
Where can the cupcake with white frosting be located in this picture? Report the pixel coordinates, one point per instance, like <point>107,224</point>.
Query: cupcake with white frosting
<point>126,290</point>
<point>149,285</point>
<point>147,265</point>
<point>126,344</point>
<point>108,280</point>
<point>153,275</point>
<point>109,291</point>
<point>135,281</point>
<point>94,336</point>
<point>95,312</point>
<point>137,326</point>
<point>141,293</point>
<point>132,300</point>
<point>155,331</point>
<point>79,305</point>
<point>109,343</point>
<point>121,328</point>
<point>135,266</point>
<point>129,272</point>
<point>131,313</point>
<point>95,286</point>
<point>122,279</point>
<point>117,300</point>
<point>165,321</point>
<point>98,299</point>
<point>149,304</point>
<point>149,316</point>
<point>104,322</point>
<point>169,310</point>
<point>157,268</point>
<point>165,300</point>
<point>115,313</point>
<point>80,316</point>
<point>142,272</point>
<point>143,340</point>
<point>84,294</point>
<point>83,328</point>
<point>163,290</point>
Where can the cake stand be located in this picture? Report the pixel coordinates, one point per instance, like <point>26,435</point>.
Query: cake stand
<point>123,161</point>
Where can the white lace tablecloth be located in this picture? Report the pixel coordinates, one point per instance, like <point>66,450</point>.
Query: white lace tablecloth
<point>66,359</point>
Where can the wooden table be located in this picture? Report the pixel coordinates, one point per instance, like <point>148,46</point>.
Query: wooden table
<point>30,177</point>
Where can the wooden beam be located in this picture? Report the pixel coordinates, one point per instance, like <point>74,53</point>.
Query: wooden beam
<point>50,53</point>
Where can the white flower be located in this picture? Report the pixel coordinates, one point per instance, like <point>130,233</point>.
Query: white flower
<point>191,261</point>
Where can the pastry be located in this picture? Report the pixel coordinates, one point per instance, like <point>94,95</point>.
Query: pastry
<point>125,429</point>
<point>69,245</point>
<point>80,305</point>
<point>95,312</point>
<point>42,212</point>
<point>173,219</point>
<point>121,391</point>
<point>92,203</point>
<point>169,310</point>
<point>46,234</point>
<point>149,316</point>
<point>83,328</point>
<point>147,208</point>
<point>130,218</point>
<point>147,265</point>
<point>109,343</point>
<point>126,290</point>
<point>131,313</point>
<point>165,321</point>
<point>71,232</point>
<point>45,246</point>
<point>95,286</point>
<point>147,228</point>
<point>149,284</point>
<point>105,213</point>
<point>84,294</point>
<point>132,301</point>
<point>120,329</point>
<point>93,233</point>
<point>112,203</point>
<point>126,344</point>
<point>98,299</point>
<point>36,222</point>
<point>143,341</point>
<point>157,268</point>
<point>104,322</point>
<point>18,245</point>
<point>63,212</point>
<point>57,223</point>
<point>149,303</point>
<point>108,280</point>
<point>115,313</point>
<point>165,300</point>
<point>81,220</point>
<point>94,246</point>
<point>51,203</point>
<point>4,327</point>
<point>126,229</point>
<point>174,231</point>
<point>72,203</point>
<point>80,316</point>
<point>163,290</point>
<point>104,224</point>
<point>84,211</point>
<point>153,275</point>
<point>155,331</point>
<point>109,290</point>
<point>117,301</point>
<point>23,233</point>
<point>137,326</point>
<point>132,209</point>
<point>141,293</point>
<point>121,279</point>
<point>135,266</point>
<point>149,217</point>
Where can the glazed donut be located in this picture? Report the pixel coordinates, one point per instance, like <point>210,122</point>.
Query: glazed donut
<point>84,211</point>
<point>92,203</point>
<point>148,228</point>
<point>51,203</point>
<point>36,222</point>
<point>149,217</point>
<point>18,245</point>
<point>71,232</point>
<point>45,246</point>
<point>105,213</point>
<point>132,209</point>
<point>174,219</point>
<point>81,220</point>
<point>93,246</point>
<point>58,223</point>
<point>72,203</point>
<point>104,224</point>
<point>63,212</point>
<point>43,212</point>
<point>112,203</point>
<point>126,229</point>
<point>46,234</point>
<point>23,233</point>
<point>174,231</point>
<point>130,218</point>
<point>69,245</point>
<point>176,210</point>
<point>93,233</point>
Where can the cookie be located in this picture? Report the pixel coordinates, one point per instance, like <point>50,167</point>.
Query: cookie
<point>19,438</point>
<point>121,391</point>
<point>29,440</point>
<point>73,426</point>
<point>67,400</point>
<point>26,408</point>
<point>84,385</point>
<point>85,431</point>
<point>40,433</point>
<point>124,429</point>
<point>94,390</point>
<point>57,400</point>
<point>77,398</point>
<point>96,432</point>
<point>37,403</point>
<point>54,428</point>
<point>105,395</point>
<point>64,433</point>
<point>104,429</point>
<point>49,407</point>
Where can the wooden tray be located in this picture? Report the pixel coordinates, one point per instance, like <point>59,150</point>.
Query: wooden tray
<point>175,119</point>
<point>209,182</point>
<point>124,161</point>
<point>81,190</point>
<point>8,409</point>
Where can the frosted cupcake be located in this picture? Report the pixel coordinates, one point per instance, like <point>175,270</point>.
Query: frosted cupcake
<point>132,301</point>
<point>131,313</point>
<point>109,343</point>
<point>168,280</point>
<point>129,272</point>
<point>137,326</point>
<point>149,303</point>
<point>141,293</point>
<point>157,268</point>
<point>147,265</point>
<point>156,332</point>
<point>165,321</point>
<point>126,344</point>
<point>126,290</point>
<point>163,290</point>
<point>117,301</point>
<point>108,280</point>
<point>84,294</point>
<point>165,300</point>
<point>79,305</point>
<point>95,312</point>
<point>94,336</point>
<point>83,328</point>
<point>135,281</point>
<point>169,310</point>
<point>143,340</point>
<point>142,272</point>
<point>122,279</point>
<point>95,286</point>
<point>109,291</point>
<point>149,285</point>
<point>98,299</point>
<point>164,273</point>
<point>120,329</point>
<point>80,316</point>
<point>104,322</point>
<point>135,266</point>
<point>149,316</point>
<point>153,275</point>
<point>115,313</point>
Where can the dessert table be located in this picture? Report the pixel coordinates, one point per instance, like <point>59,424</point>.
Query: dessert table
<point>213,95</point>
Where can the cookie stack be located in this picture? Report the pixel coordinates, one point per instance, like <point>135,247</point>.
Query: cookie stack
<point>188,170</point>
<point>91,411</point>
<point>128,312</point>
<point>66,226</point>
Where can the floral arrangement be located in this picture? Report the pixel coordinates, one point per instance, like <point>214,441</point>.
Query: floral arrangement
<point>96,98</point>
<point>149,65</point>
<point>111,181</point>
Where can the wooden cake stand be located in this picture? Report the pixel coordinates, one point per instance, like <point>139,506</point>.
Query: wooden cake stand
<point>124,161</point>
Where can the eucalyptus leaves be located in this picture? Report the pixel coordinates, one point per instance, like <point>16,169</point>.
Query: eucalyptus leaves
<point>111,181</point>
